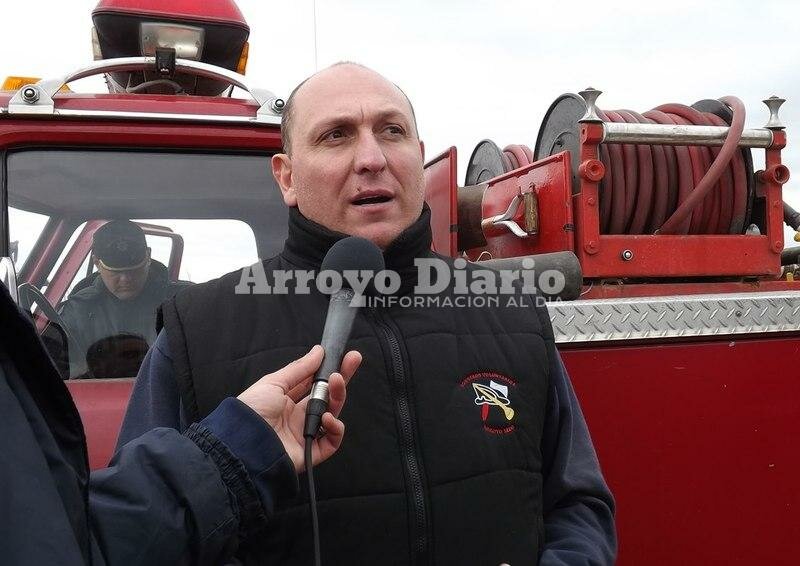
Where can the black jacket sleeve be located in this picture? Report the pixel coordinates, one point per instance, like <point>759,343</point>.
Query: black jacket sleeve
<point>578,506</point>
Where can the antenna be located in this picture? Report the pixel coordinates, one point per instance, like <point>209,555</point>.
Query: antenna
<point>314,9</point>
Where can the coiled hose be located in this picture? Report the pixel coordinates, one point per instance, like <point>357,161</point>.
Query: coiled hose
<point>674,189</point>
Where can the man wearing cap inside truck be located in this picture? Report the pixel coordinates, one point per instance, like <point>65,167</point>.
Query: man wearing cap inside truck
<point>120,301</point>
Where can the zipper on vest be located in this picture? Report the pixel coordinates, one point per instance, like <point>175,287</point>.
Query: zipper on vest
<point>412,459</point>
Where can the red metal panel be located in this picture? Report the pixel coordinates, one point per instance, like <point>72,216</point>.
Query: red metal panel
<point>441,194</point>
<point>587,200</point>
<point>138,134</point>
<point>697,441</point>
<point>102,404</point>
<point>550,180</point>
<point>680,256</point>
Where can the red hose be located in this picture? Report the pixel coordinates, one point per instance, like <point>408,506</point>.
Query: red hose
<point>697,166</point>
<point>616,180</point>
<point>738,173</point>
<point>519,155</point>
<point>724,157</point>
<point>680,169</point>
<point>712,204</point>
<point>674,189</point>
<point>644,191</point>
<point>512,159</point>
<point>727,190</point>
<point>631,171</point>
<point>661,174</point>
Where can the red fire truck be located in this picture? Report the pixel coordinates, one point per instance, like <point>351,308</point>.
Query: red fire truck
<point>676,308</point>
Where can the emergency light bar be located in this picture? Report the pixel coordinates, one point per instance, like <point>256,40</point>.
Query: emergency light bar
<point>207,32</point>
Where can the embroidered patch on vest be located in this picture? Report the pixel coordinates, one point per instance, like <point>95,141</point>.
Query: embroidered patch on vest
<point>493,395</point>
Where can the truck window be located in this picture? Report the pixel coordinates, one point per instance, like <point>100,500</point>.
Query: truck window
<point>211,247</point>
<point>24,229</point>
<point>201,215</point>
<point>70,246</point>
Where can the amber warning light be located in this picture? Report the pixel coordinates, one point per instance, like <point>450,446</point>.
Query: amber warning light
<point>14,83</point>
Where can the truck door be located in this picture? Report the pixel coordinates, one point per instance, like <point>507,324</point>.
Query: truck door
<point>59,197</point>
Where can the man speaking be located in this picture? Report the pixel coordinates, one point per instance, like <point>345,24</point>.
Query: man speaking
<point>466,444</point>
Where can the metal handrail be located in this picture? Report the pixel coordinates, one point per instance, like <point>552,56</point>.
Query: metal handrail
<point>669,134</point>
<point>38,98</point>
<point>680,134</point>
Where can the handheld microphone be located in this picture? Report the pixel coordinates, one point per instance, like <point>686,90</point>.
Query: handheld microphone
<point>349,254</point>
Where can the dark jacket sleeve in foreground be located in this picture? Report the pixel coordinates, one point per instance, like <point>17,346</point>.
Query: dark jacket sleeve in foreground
<point>172,498</point>
<point>578,506</point>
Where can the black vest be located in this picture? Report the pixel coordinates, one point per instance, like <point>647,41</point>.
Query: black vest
<point>441,462</point>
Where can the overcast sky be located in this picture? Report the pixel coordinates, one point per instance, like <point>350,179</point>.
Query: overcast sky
<point>481,69</point>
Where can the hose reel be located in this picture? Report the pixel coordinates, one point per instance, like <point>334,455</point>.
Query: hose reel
<point>633,194</point>
<point>644,185</point>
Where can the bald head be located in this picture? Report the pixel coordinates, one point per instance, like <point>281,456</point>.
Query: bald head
<point>336,72</point>
<point>353,161</point>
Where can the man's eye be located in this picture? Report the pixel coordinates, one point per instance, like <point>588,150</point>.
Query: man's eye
<point>334,135</point>
<point>394,129</point>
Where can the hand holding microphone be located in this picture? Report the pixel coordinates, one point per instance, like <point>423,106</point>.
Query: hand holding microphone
<point>280,398</point>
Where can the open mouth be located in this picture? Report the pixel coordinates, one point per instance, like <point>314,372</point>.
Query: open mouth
<point>372,200</point>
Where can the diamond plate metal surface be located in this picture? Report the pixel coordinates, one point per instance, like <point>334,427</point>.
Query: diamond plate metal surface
<point>651,318</point>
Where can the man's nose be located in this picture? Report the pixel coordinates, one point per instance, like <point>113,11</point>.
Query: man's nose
<point>369,156</point>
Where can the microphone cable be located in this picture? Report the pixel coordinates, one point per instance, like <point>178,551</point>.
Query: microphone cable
<point>317,406</point>
<point>312,500</point>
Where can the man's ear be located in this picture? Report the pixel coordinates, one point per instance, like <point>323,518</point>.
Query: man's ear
<point>282,171</point>
<point>422,149</point>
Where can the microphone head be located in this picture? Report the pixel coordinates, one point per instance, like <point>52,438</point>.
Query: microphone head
<point>353,254</point>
